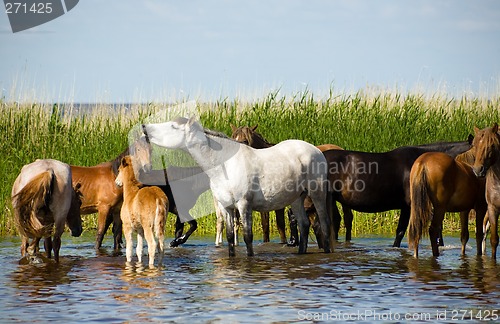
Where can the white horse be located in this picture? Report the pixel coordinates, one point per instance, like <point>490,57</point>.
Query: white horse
<point>248,179</point>
<point>43,198</point>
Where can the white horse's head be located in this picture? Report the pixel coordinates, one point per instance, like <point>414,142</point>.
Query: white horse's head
<point>179,133</point>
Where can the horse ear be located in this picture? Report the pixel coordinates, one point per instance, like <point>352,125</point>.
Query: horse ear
<point>124,162</point>
<point>470,139</point>
<point>233,128</point>
<point>476,130</point>
<point>495,128</point>
<point>191,120</point>
<point>255,127</point>
<point>78,193</point>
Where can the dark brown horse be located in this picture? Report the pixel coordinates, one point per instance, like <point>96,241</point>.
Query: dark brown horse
<point>486,146</point>
<point>440,184</point>
<point>378,182</point>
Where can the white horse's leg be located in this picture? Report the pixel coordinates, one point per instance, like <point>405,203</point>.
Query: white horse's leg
<point>302,222</point>
<point>246,219</point>
<point>323,201</point>
<point>220,225</point>
<point>229,218</point>
<point>236,227</point>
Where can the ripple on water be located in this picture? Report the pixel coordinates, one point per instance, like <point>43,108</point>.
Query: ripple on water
<point>201,282</point>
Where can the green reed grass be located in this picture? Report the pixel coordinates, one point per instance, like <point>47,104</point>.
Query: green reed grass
<point>373,122</point>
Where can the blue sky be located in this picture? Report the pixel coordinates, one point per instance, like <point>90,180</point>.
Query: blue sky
<point>124,50</point>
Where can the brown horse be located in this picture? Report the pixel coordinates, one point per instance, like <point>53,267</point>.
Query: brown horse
<point>144,210</point>
<point>101,195</point>
<point>486,146</point>
<point>249,136</point>
<point>43,198</point>
<point>440,184</point>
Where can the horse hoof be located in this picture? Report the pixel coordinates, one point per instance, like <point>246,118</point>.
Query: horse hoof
<point>176,243</point>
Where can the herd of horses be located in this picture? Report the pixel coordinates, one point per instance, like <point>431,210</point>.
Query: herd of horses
<point>246,173</point>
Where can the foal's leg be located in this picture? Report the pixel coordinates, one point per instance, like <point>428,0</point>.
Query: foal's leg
<point>138,250</point>
<point>464,229</point>
<point>150,238</point>
<point>264,216</point>
<point>280,224</point>
<point>161,247</point>
<point>127,232</point>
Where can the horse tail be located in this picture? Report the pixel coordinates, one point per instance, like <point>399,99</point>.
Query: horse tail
<point>160,216</point>
<point>31,205</point>
<point>421,207</point>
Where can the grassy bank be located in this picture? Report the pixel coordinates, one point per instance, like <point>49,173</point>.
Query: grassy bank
<point>366,122</point>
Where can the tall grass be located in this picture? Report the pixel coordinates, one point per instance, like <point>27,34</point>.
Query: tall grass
<point>373,122</point>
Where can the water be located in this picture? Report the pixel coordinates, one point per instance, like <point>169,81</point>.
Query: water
<point>366,280</point>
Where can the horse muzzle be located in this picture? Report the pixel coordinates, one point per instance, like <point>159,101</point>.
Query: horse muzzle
<point>77,232</point>
<point>480,172</point>
<point>147,168</point>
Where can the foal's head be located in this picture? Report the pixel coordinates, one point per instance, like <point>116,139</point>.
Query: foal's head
<point>486,146</point>
<point>125,172</point>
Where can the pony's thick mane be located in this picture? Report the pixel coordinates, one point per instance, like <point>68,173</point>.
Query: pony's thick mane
<point>466,157</point>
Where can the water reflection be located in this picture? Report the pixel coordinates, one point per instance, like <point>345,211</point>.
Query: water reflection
<point>40,280</point>
<point>200,282</point>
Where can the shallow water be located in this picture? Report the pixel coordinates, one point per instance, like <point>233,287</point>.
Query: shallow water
<point>366,280</point>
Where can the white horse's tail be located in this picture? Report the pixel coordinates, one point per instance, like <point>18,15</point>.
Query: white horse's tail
<point>32,215</point>
<point>160,216</point>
